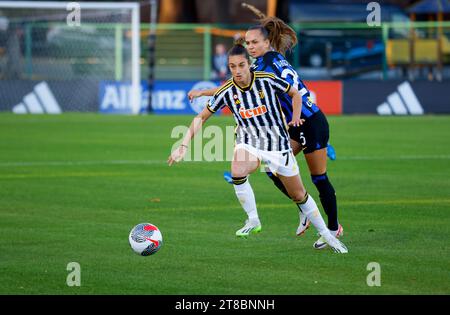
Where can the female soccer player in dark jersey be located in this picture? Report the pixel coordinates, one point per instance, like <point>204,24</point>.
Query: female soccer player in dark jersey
<point>267,42</point>
<point>261,135</point>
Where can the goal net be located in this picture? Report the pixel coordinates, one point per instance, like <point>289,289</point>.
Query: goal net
<point>56,56</point>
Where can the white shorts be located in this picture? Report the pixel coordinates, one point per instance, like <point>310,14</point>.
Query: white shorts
<point>283,163</point>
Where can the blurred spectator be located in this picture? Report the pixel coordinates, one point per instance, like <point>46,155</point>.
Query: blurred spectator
<point>220,63</point>
<point>4,22</point>
<point>12,68</point>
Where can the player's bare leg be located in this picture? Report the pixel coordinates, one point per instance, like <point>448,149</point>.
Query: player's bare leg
<point>317,161</point>
<point>296,147</point>
<point>244,163</point>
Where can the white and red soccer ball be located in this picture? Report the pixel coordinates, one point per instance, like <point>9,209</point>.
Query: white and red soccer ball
<point>145,239</point>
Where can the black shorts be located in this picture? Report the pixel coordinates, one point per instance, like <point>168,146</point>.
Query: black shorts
<point>313,134</point>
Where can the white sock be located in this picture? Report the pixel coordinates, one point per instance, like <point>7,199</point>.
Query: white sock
<point>311,211</point>
<point>246,197</point>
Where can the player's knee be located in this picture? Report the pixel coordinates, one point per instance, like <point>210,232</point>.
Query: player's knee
<point>239,180</point>
<point>238,170</point>
<point>299,195</point>
<point>238,174</point>
<point>320,178</point>
<point>323,184</point>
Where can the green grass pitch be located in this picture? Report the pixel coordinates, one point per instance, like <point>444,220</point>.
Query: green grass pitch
<point>72,187</point>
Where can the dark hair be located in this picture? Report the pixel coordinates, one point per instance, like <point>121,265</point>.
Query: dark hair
<point>239,49</point>
<point>280,35</point>
<point>260,28</point>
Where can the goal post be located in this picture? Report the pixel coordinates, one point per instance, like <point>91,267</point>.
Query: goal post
<point>94,17</point>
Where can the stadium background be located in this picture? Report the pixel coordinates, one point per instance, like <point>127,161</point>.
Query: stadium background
<point>75,179</point>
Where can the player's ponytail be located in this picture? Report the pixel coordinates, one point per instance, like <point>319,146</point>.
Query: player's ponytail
<point>239,49</point>
<point>280,35</point>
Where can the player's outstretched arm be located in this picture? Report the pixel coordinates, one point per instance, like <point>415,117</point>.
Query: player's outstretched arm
<point>297,107</point>
<point>179,153</point>
<point>198,93</point>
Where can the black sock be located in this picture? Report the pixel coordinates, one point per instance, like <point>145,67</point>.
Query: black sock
<point>327,197</point>
<point>278,183</point>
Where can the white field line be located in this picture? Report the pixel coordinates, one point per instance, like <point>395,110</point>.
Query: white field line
<point>82,163</point>
<point>158,162</point>
<point>288,205</point>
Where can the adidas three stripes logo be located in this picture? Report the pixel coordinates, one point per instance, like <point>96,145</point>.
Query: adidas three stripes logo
<point>402,102</point>
<point>40,101</point>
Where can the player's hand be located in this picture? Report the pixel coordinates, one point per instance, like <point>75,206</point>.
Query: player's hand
<point>177,155</point>
<point>193,94</point>
<point>296,122</point>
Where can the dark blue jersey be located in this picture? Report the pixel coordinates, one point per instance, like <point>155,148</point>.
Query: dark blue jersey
<point>275,63</point>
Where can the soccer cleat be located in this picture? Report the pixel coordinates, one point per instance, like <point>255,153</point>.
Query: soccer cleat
<point>227,177</point>
<point>321,242</point>
<point>249,227</point>
<point>304,224</point>
<point>331,152</point>
<point>336,245</point>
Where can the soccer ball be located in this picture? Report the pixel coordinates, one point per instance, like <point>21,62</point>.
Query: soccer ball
<point>145,239</point>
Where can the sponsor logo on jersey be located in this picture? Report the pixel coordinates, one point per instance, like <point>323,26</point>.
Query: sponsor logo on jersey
<point>236,99</point>
<point>253,112</point>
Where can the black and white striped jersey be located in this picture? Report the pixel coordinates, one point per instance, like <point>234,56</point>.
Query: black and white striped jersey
<point>256,110</point>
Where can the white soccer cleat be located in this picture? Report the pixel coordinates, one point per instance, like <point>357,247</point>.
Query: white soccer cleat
<point>336,245</point>
<point>251,226</point>
<point>304,224</point>
<point>321,243</point>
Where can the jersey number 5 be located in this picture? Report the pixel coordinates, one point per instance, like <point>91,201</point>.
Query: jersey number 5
<point>302,138</point>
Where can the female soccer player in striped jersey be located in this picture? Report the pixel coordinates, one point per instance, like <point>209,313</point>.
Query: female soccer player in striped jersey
<point>267,42</point>
<point>261,135</point>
